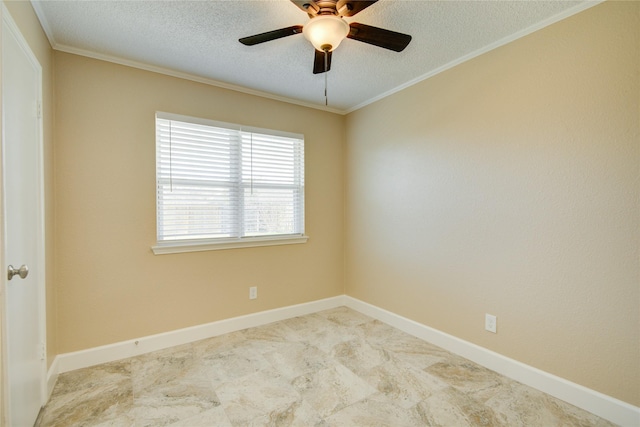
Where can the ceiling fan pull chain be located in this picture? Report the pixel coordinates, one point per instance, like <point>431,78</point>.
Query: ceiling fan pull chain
<point>326,65</point>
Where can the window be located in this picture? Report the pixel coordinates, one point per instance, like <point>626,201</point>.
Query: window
<point>222,186</point>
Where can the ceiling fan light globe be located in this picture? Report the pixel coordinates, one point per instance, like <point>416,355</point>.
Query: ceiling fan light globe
<point>325,32</point>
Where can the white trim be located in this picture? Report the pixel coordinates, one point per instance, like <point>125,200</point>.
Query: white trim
<point>52,376</point>
<point>180,246</point>
<point>226,125</point>
<point>122,350</point>
<point>595,402</point>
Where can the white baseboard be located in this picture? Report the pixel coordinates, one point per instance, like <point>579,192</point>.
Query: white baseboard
<point>604,406</point>
<point>122,350</point>
<point>52,376</point>
<point>597,403</point>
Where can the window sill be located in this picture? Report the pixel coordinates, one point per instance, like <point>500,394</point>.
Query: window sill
<point>180,246</point>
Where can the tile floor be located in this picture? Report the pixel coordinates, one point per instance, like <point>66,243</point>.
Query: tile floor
<point>332,368</point>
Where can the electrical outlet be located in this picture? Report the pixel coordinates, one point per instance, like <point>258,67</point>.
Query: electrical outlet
<point>490,323</point>
<point>253,292</point>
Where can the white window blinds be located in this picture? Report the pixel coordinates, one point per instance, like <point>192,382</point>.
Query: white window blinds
<point>217,181</point>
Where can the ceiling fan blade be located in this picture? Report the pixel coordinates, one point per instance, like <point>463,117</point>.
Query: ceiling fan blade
<point>271,35</point>
<point>379,37</point>
<point>318,62</point>
<point>353,6</point>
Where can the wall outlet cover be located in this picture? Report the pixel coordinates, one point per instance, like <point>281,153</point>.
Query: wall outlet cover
<point>490,323</point>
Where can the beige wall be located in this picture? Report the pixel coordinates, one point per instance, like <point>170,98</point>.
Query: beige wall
<point>27,21</point>
<point>510,185</point>
<point>507,185</point>
<point>111,286</point>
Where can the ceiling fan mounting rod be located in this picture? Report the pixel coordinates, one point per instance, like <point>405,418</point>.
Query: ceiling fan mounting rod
<point>326,7</point>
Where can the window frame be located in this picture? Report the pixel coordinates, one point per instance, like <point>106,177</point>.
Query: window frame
<point>169,246</point>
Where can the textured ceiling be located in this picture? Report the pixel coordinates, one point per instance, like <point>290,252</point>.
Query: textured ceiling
<point>199,39</point>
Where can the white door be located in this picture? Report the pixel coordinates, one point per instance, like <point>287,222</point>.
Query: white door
<point>23,227</point>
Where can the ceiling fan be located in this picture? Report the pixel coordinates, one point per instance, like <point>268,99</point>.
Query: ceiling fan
<point>326,29</point>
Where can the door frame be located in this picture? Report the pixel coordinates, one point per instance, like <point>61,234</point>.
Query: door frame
<point>6,21</point>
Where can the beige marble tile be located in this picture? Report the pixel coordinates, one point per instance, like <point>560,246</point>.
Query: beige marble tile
<point>120,420</point>
<point>269,337</point>
<point>170,385</point>
<point>212,417</point>
<point>358,355</point>
<point>376,332</point>
<point>152,369</point>
<point>296,359</point>
<point>222,343</point>
<point>299,414</point>
<point>518,404</point>
<point>332,368</point>
<point>332,389</point>
<point>327,335</point>
<point>468,377</point>
<point>160,412</point>
<point>263,395</point>
<point>306,323</point>
<point>345,316</point>
<point>403,384</point>
<point>231,365</point>
<point>412,350</point>
<point>451,407</point>
<point>91,396</point>
<point>375,411</point>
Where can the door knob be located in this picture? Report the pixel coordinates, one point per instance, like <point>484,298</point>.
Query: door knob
<point>23,271</point>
